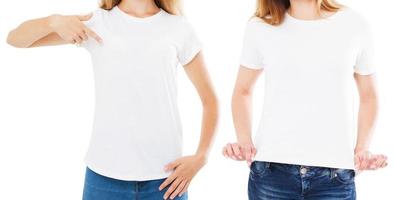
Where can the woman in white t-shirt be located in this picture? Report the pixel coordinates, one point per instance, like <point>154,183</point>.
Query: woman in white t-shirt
<point>311,51</point>
<point>136,147</point>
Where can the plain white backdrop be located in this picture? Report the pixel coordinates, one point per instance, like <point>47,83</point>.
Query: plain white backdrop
<point>47,101</point>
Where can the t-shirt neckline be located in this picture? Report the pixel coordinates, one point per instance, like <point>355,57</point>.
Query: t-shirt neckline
<point>126,16</point>
<point>306,21</point>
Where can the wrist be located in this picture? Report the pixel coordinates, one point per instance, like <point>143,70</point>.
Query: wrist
<point>244,139</point>
<point>202,156</point>
<point>359,149</point>
<point>51,21</point>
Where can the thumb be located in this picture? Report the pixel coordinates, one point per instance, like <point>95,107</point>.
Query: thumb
<point>248,154</point>
<point>85,17</point>
<point>357,161</point>
<point>171,166</point>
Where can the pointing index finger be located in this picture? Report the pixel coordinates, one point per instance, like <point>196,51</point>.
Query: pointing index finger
<point>94,35</point>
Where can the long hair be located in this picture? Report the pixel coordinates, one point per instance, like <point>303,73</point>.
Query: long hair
<point>170,6</point>
<point>273,11</point>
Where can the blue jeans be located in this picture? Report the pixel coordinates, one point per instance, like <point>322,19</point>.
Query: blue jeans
<point>276,181</point>
<point>98,187</point>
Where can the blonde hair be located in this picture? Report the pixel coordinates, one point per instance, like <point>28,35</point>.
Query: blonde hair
<point>273,11</point>
<point>170,6</point>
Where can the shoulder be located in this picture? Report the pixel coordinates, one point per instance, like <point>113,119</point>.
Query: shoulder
<point>97,15</point>
<point>177,21</point>
<point>354,17</point>
<point>257,25</point>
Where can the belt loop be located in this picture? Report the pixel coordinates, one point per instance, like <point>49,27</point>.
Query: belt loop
<point>267,165</point>
<point>332,172</point>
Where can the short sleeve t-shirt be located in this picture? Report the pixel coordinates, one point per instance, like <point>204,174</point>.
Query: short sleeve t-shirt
<point>137,129</point>
<point>308,116</point>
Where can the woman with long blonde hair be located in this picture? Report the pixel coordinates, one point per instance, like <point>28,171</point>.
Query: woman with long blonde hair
<point>135,46</point>
<point>311,51</point>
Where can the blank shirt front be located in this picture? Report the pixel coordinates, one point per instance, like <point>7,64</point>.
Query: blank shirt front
<point>137,130</point>
<point>308,116</point>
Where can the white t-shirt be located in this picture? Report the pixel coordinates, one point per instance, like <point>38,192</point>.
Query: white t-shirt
<point>308,116</point>
<point>137,128</point>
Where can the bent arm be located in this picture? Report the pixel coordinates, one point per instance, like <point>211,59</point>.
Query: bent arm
<point>242,103</point>
<point>36,32</point>
<point>198,75</point>
<point>367,114</point>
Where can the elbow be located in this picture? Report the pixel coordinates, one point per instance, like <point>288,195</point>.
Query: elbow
<point>242,92</point>
<point>210,103</point>
<point>11,40</point>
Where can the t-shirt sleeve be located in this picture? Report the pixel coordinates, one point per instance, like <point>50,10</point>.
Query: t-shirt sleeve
<point>364,62</point>
<point>90,43</point>
<point>189,46</point>
<point>251,56</point>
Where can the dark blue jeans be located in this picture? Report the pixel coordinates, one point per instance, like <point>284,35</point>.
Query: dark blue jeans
<point>98,187</point>
<point>276,181</point>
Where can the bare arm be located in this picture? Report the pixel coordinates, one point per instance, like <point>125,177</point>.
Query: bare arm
<point>242,103</point>
<point>51,30</point>
<point>367,111</point>
<point>367,115</point>
<point>242,116</point>
<point>187,167</point>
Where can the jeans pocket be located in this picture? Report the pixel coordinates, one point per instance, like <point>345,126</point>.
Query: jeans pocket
<point>259,168</point>
<point>345,176</point>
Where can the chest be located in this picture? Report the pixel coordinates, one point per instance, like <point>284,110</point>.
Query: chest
<point>311,49</point>
<point>142,49</point>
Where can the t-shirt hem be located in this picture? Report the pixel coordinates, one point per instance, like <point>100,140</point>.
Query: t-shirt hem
<point>251,66</point>
<point>192,55</point>
<point>125,177</point>
<point>306,163</point>
<point>365,72</point>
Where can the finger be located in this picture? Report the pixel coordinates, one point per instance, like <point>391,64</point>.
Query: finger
<point>385,164</point>
<point>381,161</point>
<point>172,188</point>
<point>184,189</point>
<point>254,151</point>
<point>77,39</point>
<point>178,189</point>
<point>230,151</point>
<point>224,152</point>
<point>357,162</point>
<point>373,162</point>
<point>236,149</point>
<point>84,17</point>
<point>171,166</point>
<point>248,153</point>
<point>251,156</point>
<point>364,162</point>
<point>72,41</point>
<point>92,34</point>
<point>83,35</point>
<point>168,181</point>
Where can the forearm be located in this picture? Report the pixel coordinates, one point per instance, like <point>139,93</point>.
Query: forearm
<point>242,116</point>
<point>208,127</point>
<point>366,123</point>
<point>29,32</point>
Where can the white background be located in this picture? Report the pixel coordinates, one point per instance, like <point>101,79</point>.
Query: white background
<point>46,103</point>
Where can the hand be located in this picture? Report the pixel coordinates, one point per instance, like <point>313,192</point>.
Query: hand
<point>72,29</point>
<point>365,160</point>
<point>240,151</point>
<point>185,169</point>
